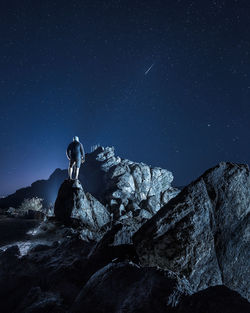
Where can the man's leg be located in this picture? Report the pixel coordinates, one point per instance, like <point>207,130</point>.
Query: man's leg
<point>70,170</point>
<point>77,165</point>
<point>77,172</point>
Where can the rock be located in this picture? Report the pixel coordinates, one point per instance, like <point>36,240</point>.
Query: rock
<point>38,301</point>
<point>73,202</point>
<point>59,269</point>
<point>168,194</point>
<point>153,203</point>
<point>29,214</point>
<point>126,181</point>
<point>130,254</point>
<point>130,289</point>
<point>203,232</point>
<point>65,201</point>
<point>212,300</point>
<point>124,235</point>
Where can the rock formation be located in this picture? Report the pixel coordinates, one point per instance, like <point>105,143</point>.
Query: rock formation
<point>203,233</point>
<point>110,179</point>
<point>130,289</point>
<point>135,244</point>
<point>129,182</point>
<point>73,202</point>
<point>131,194</point>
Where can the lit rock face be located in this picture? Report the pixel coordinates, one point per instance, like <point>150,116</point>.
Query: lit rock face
<point>73,202</point>
<point>203,233</point>
<point>134,192</point>
<point>129,182</point>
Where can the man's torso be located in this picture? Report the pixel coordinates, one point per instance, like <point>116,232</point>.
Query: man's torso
<point>75,150</point>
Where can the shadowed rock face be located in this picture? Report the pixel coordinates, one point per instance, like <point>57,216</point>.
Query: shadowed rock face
<point>216,299</point>
<point>73,202</point>
<point>203,233</point>
<point>50,276</point>
<point>130,289</point>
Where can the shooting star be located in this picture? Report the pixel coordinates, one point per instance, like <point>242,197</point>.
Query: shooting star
<point>149,69</point>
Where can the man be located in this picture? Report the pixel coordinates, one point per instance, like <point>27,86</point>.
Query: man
<point>75,154</point>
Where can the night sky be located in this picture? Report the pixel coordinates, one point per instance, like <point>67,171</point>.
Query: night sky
<point>164,82</point>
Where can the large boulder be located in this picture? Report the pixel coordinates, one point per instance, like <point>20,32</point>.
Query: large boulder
<point>203,233</point>
<point>73,202</point>
<point>212,300</point>
<point>130,289</point>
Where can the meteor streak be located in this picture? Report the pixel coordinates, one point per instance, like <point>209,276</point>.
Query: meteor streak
<point>149,69</point>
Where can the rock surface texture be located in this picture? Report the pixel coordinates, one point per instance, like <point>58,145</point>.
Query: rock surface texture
<point>73,202</point>
<point>218,299</point>
<point>131,194</point>
<point>134,192</point>
<point>128,183</point>
<point>203,233</point>
<point>131,289</point>
<point>133,244</point>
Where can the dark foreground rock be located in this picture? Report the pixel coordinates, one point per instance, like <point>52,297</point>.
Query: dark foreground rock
<point>126,287</point>
<point>50,276</point>
<point>15,229</point>
<point>216,299</point>
<point>203,233</point>
<point>84,259</point>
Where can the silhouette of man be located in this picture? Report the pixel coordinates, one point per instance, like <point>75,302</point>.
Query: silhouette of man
<point>75,154</point>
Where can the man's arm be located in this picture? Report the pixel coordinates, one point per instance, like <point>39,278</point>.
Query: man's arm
<point>82,152</point>
<point>68,152</point>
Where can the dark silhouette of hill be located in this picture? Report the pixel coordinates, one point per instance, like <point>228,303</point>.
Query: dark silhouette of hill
<point>90,175</point>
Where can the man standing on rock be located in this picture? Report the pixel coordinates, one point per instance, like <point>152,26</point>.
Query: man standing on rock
<point>75,154</point>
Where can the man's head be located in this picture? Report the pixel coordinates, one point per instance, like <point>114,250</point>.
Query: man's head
<point>75,138</point>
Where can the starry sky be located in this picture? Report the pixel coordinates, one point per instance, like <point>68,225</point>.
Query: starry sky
<point>166,83</point>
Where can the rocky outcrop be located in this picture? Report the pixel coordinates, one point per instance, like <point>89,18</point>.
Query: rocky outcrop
<point>83,258</point>
<point>128,183</point>
<point>134,192</point>
<point>131,194</point>
<point>203,233</point>
<point>73,202</point>
<point>110,179</point>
